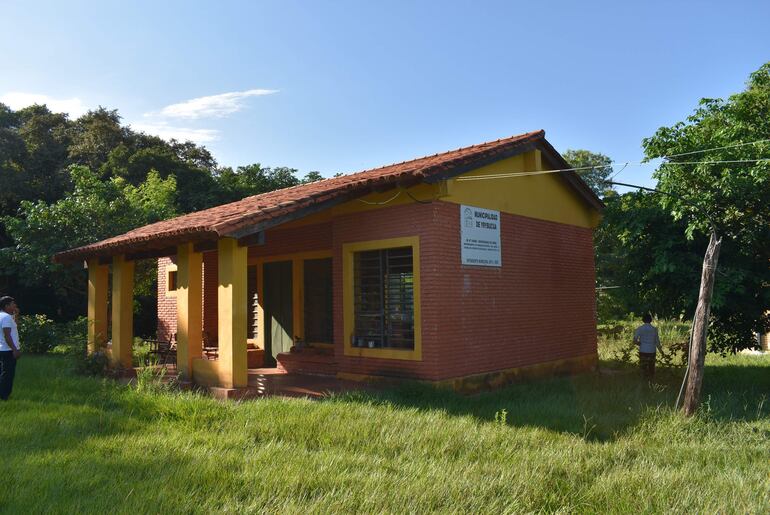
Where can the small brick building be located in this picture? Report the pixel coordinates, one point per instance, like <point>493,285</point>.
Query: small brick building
<point>463,268</point>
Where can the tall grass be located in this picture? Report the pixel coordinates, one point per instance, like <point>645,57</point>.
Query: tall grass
<point>616,340</point>
<point>592,443</point>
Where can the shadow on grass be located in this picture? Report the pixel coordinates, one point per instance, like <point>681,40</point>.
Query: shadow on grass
<point>595,406</point>
<point>52,407</point>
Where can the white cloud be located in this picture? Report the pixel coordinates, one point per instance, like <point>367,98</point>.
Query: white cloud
<point>216,106</point>
<point>17,100</point>
<point>167,132</point>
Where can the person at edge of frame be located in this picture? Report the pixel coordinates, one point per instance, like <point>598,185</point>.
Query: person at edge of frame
<point>9,345</point>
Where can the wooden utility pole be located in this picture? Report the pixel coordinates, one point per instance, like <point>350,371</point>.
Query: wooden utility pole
<point>700,324</point>
<point>700,327</point>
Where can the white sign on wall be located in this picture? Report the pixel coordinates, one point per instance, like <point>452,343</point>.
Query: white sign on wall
<point>480,236</point>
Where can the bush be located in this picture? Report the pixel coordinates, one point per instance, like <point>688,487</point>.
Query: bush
<point>37,333</point>
<point>94,364</point>
<point>74,334</point>
<point>616,341</point>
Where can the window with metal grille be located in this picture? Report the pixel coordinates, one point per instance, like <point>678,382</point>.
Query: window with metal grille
<point>384,299</point>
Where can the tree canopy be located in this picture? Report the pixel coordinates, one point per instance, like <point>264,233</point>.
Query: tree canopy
<point>651,245</point>
<point>65,183</point>
<point>593,168</point>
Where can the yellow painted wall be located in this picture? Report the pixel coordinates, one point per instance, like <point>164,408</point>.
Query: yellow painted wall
<point>122,311</point>
<point>544,197</point>
<point>189,308</point>
<point>98,286</point>
<point>232,260</point>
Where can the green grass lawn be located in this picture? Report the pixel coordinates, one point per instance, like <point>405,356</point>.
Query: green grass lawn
<point>594,443</point>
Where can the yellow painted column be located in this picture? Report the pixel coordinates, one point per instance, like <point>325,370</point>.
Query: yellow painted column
<point>189,308</point>
<point>232,313</point>
<point>122,311</point>
<point>98,281</point>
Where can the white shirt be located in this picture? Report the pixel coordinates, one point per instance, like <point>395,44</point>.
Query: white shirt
<point>647,337</point>
<point>7,320</point>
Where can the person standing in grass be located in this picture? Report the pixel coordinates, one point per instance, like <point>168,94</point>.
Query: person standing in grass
<point>9,346</point>
<point>646,337</point>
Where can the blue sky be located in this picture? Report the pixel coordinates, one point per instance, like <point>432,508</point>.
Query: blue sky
<point>343,86</point>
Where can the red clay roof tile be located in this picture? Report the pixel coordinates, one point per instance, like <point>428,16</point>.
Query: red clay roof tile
<point>229,219</point>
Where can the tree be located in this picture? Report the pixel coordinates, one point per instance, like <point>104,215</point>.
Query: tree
<point>719,186</point>
<point>643,255</point>
<point>253,179</point>
<point>94,135</point>
<point>94,210</point>
<point>601,168</point>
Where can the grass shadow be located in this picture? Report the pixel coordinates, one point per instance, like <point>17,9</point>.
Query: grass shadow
<point>595,406</point>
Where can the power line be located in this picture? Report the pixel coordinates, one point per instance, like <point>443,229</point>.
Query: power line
<point>505,175</point>
<point>715,148</point>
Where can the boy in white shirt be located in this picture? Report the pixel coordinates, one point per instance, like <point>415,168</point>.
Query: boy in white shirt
<point>9,346</point>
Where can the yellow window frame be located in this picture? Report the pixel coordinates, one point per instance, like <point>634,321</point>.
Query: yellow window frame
<point>348,249</point>
<point>170,268</point>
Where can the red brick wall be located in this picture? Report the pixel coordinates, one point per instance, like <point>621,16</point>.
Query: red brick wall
<point>538,307</point>
<point>277,241</point>
<point>166,305</point>
<point>297,239</point>
<point>210,295</point>
<point>389,222</point>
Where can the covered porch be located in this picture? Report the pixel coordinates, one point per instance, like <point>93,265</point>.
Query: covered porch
<point>239,315</point>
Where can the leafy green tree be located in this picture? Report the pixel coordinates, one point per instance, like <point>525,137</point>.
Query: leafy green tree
<point>94,135</point>
<point>601,168</point>
<point>312,177</point>
<point>644,259</point>
<point>253,179</point>
<point>94,210</point>
<point>12,155</point>
<point>43,165</point>
<point>726,188</point>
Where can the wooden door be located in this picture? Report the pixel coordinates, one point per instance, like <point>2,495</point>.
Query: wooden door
<point>278,309</point>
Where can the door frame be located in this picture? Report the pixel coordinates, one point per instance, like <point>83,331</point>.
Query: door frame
<point>298,286</point>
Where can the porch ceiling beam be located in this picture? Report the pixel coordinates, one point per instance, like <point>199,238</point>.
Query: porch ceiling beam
<point>205,246</point>
<point>149,254</point>
<point>257,238</point>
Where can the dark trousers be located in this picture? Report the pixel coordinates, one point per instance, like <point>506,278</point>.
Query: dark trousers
<point>7,373</point>
<point>647,364</point>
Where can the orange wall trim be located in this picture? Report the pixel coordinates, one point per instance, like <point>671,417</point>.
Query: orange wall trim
<point>499,378</point>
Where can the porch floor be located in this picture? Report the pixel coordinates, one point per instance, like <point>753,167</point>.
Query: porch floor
<point>274,382</point>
